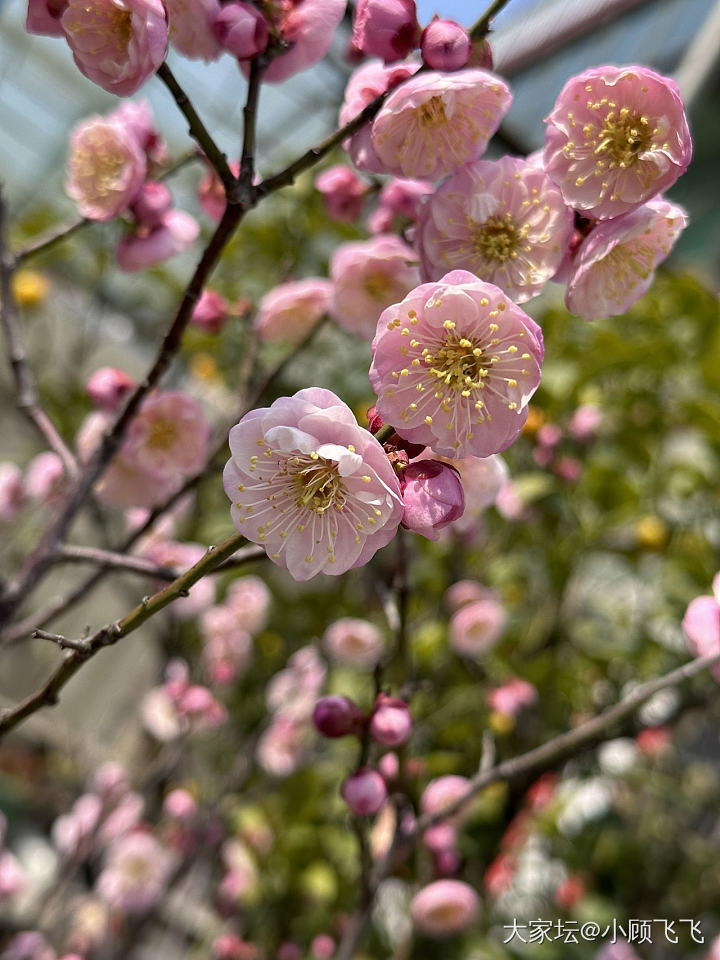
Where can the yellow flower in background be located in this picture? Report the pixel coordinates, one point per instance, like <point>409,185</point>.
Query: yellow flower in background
<point>29,288</point>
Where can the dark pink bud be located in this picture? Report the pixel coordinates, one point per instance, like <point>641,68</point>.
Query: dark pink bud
<point>447,862</point>
<point>151,204</point>
<point>433,495</point>
<point>364,791</point>
<point>337,717</point>
<point>386,28</point>
<point>445,45</point>
<point>390,723</point>
<point>107,387</point>
<point>211,312</point>
<point>242,30</point>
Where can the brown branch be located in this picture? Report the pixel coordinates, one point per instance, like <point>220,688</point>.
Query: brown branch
<point>84,648</point>
<point>247,160</point>
<point>25,388</point>
<point>110,560</point>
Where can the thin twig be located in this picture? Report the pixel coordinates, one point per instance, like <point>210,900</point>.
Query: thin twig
<point>73,553</point>
<point>26,391</point>
<point>85,648</point>
<point>247,160</point>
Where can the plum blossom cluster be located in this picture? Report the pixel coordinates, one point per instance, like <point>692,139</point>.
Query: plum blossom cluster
<point>179,707</point>
<point>228,629</point>
<point>111,168</point>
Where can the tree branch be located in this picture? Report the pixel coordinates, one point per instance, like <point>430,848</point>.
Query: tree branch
<point>85,648</point>
<point>73,553</point>
<point>247,160</point>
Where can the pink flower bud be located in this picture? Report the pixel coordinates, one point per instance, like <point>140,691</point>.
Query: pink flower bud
<point>241,30</point>
<point>390,723</point>
<point>445,45</point>
<point>151,204</point>
<point>444,908</point>
<point>180,804</point>
<point>433,496</point>
<point>322,947</point>
<point>337,717</point>
<point>386,28</point>
<point>211,312</point>
<point>108,386</point>
<point>447,862</point>
<point>11,492</point>
<point>144,248</point>
<point>389,767</point>
<point>45,478</point>
<point>364,791</point>
<point>443,836</point>
<point>343,193</point>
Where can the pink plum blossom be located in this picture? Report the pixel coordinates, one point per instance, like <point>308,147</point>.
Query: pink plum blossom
<point>250,598</point>
<point>293,692</point>
<point>180,804</point>
<point>108,387</point>
<point>337,716</point>
<point>120,818</point>
<point>322,947</point>
<point>616,137</point>
<point>12,493</point>
<point>136,871</point>
<point>390,722</point>
<point>585,421</point>
<point>226,645</point>
<point>364,791</point>
<point>13,880</point>
<point>45,478</point>
<point>367,276</point>
<point>211,193</point>
<point>701,624</point>
<point>512,696</point>
<point>106,168</point>
<point>307,27</point>
<point>109,781</point>
<point>355,642</point>
<point>137,116</point>
<point>310,485</point>
<point>118,45</point>
<point>151,204</point>
<point>482,479</point>
<point>190,28</point>
<point>147,246</point>
<point>343,193</point>
<point>444,908</point>
<point>455,365</point>
<point>433,496</point>
<point>464,592</point>
<point>503,220</point>
<point>43,17</point>
<point>445,45</point>
<point>241,29</point>
<point>615,264</point>
<point>28,945</point>
<point>283,746</point>
<point>290,310</point>
<point>364,85</point>
<point>436,122</point>
<point>441,794</point>
<point>73,832</point>
<point>398,198</point>
<point>124,484</point>
<point>169,435</point>
<point>477,627</point>
<point>211,312</point>
<point>386,28</point>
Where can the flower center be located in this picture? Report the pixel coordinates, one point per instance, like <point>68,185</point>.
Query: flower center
<point>432,113</point>
<point>459,364</point>
<point>496,239</point>
<point>316,483</point>
<point>163,435</point>
<point>624,136</point>
<point>378,286</point>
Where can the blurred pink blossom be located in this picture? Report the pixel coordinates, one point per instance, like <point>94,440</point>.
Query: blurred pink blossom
<point>45,478</point>
<point>12,494</point>
<point>290,310</point>
<point>386,28</point>
<point>106,167</point>
<point>190,28</point>
<point>354,642</point>
<point>151,204</point>
<point>477,627</point>
<point>250,599</point>
<point>307,27</point>
<point>701,624</point>
<point>135,874</point>
<point>147,246</point>
<point>398,198</point>
<point>343,193</point>
<point>241,29</point>
<point>226,645</point>
<point>512,696</point>
<point>390,721</point>
<point>210,312</point>
<point>441,794</point>
<point>585,421</point>
<point>108,387</point>
<point>444,908</point>
<point>169,435</point>
<point>364,791</point>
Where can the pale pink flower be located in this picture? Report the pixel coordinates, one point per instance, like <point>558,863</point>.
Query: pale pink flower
<point>241,30</point>
<point>363,86</point>
<point>136,872</point>
<point>367,276</point>
<point>445,45</point>
<point>509,503</point>
<point>364,791</point>
<point>180,804</point>
<point>293,692</point>
<point>386,28</point>
<point>73,833</point>
<point>118,44</point>
<point>226,645</point>
<point>355,642</point>
<point>307,27</point>
<point>43,17</point>
<point>137,116</point>
<point>28,945</point>
<point>12,494</point>
<point>109,781</point>
<point>182,556</point>
<point>390,721</point>
<point>122,817</point>
<point>585,421</point>
<point>701,624</point>
<point>147,246</point>
<point>284,745</point>
<point>455,365</point>
<point>615,264</point>
<point>343,193</point>
<point>160,715</point>
<point>436,122</point>
<point>211,193</point>
<point>211,312</point>
<point>108,387</point>
<point>616,137</point>
<point>322,947</point>
<point>12,876</point>
<point>106,168</point>
<point>398,198</point>
<point>290,310</point>
<point>190,28</point>
<point>477,627</point>
<point>505,221</point>
<point>433,496</point>
<point>441,794</point>
<point>152,204</point>
<point>512,696</point>
<point>309,484</point>
<point>250,599</point>
<point>45,478</point>
<point>169,435</point>
<point>124,484</point>
<point>242,872</point>
<point>482,479</point>
<point>464,592</point>
<point>444,908</point>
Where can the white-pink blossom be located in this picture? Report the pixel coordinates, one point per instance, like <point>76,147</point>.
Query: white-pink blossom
<point>169,435</point>
<point>226,645</point>
<point>477,627</point>
<point>616,137</point>
<point>436,122</point>
<point>503,220</point>
<point>310,485</point>
<point>455,365</point>
<point>307,27</point>
<point>512,696</point>
<point>136,871</point>
<point>290,310</point>
<point>250,599</point>
<point>444,908</point>
<point>45,478</point>
<point>355,642</point>
<point>106,167</point>
<point>190,28</point>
